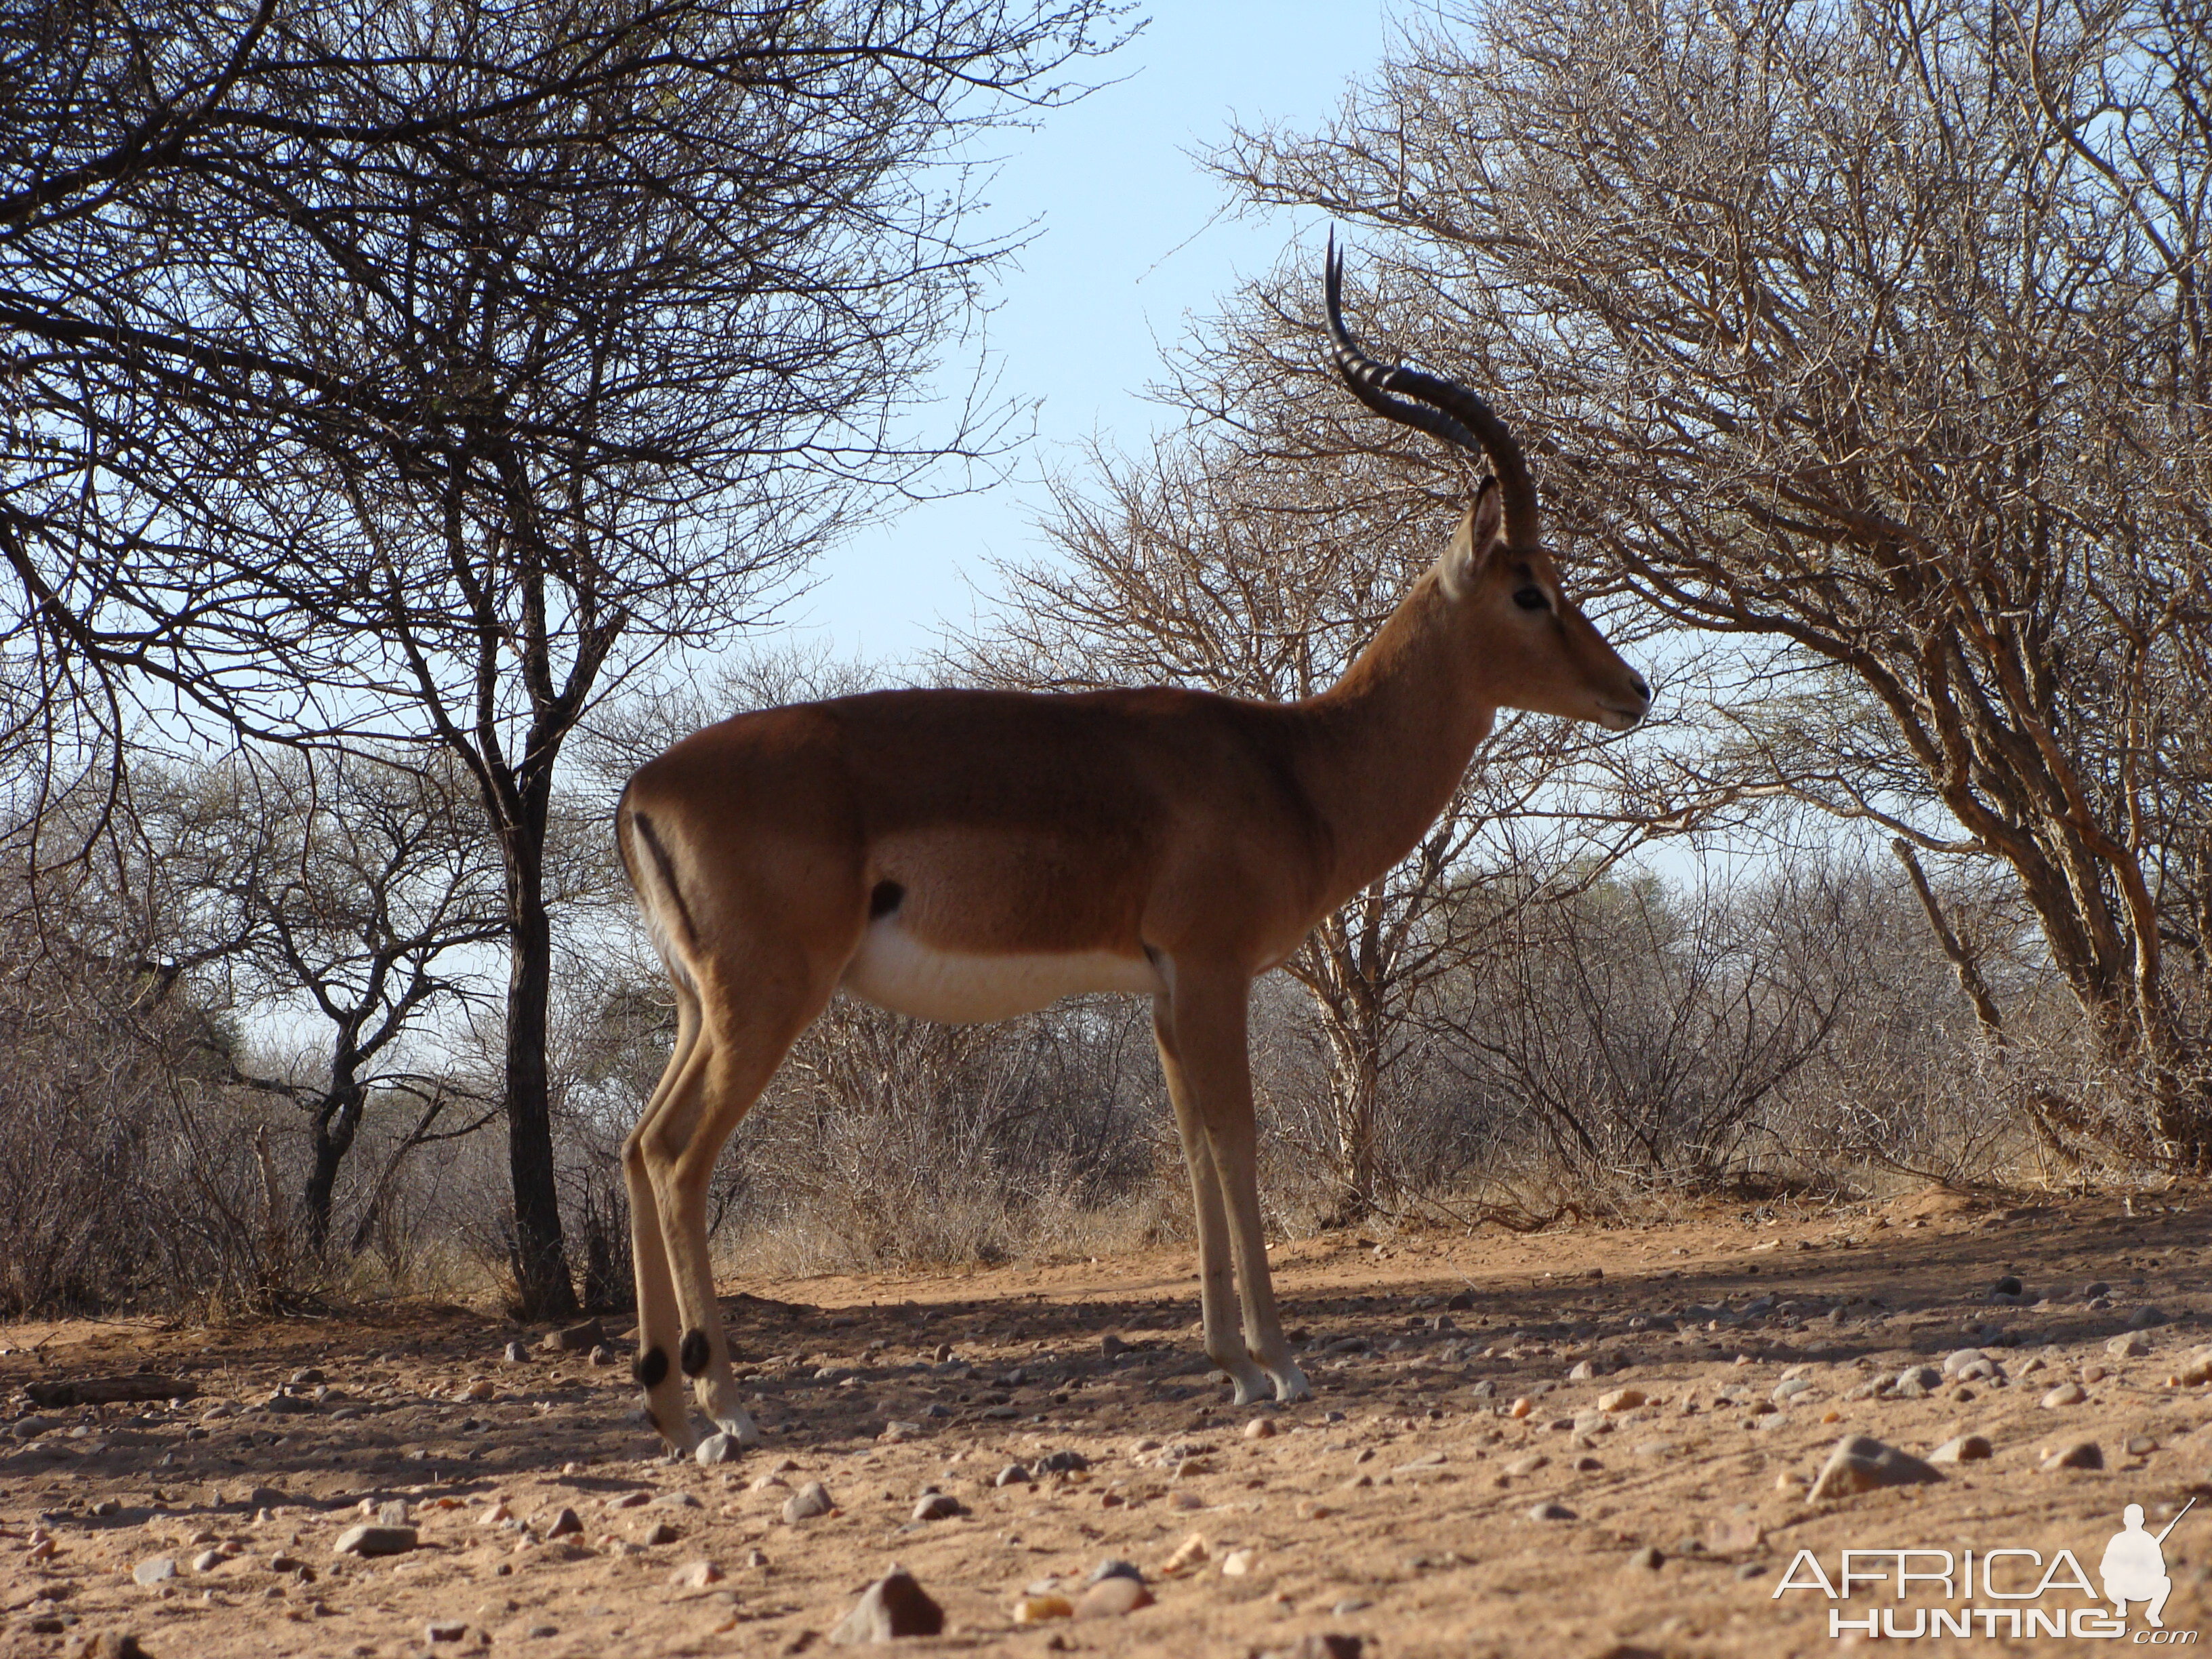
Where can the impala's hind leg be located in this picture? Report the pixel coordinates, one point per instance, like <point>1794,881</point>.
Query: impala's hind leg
<point>746,1027</point>
<point>659,1316</point>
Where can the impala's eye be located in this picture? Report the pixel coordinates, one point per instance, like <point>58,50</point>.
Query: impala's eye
<point>1531,599</point>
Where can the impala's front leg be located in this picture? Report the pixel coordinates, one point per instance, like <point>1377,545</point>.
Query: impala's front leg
<point>1208,1011</point>
<point>1217,1294</point>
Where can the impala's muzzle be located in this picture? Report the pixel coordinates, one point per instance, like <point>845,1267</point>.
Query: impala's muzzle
<point>1616,714</point>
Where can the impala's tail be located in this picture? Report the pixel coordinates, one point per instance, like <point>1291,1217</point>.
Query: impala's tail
<point>660,897</point>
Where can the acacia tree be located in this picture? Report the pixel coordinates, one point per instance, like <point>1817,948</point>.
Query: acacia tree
<point>1876,331</point>
<point>338,889</point>
<point>418,372</point>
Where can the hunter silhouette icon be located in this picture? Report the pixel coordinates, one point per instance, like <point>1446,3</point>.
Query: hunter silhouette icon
<point>2133,1567</point>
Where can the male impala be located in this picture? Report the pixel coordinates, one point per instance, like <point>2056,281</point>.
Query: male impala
<point>970,855</point>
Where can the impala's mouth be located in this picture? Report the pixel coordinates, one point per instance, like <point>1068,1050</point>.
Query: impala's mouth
<point>1621,717</point>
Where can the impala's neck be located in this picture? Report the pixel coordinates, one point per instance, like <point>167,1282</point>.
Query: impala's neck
<point>1392,739</point>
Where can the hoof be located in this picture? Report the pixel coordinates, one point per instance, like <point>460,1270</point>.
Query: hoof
<point>739,1428</point>
<point>1253,1390</point>
<point>1292,1385</point>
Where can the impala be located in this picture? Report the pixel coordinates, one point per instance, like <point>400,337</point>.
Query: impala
<point>972,855</point>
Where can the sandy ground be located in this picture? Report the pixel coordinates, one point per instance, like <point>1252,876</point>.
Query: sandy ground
<point>1401,1505</point>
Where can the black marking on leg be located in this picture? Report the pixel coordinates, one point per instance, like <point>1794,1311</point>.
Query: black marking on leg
<point>650,1367</point>
<point>695,1352</point>
<point>884,899</point>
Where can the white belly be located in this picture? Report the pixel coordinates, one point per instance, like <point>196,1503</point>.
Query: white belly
<point>893,969</point>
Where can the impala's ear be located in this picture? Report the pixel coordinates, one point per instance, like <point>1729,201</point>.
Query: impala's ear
<point>1482,532</point>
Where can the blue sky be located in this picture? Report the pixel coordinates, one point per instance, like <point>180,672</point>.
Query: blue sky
<point>1132,241</point>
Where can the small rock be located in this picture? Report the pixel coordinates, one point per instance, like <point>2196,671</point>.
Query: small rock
<point>2082,1455</point>
<point>1584,1371</point>
<point>695,1575</point>
<point>444,1630</point>
<point>2009,1286</point>
<point>1237,1564</point>
<point>1037,1609</point>
<point>1191,1552</point>
<point>2066,1393</point>
<point>1014,1475</point>
<point>1917,1381</point>
<point>1647,1559</point>
<point>517,1354</point>
<point>158,1571</point>
<point>1260,1428</point>
<point>1862,1463</point>
<point>1114,1567</point>
<point>577,1339</point>
<point>1062,1462</point>
<point>565,1522</point>
<point>1112,1347</point>
<point>1553,1511</point>
<point>2195,1368</point>
<point>719,1448</point>
<point>937,1506</point>
<point>392,1512</point>
<point>1959,1358</point>
<point>2144,1317</point>
<point>1322,1645</point>
<point>893,1606</point>
<point>1621,1400</point>
<point>108,1644</point>
<point>208,1560</point>
<point>1962,1449</point>
<point>2131,1346</point>
<point>1113,1596</point>
<point>809,1501</point>
<point>1528,1465</point>
<point>657,1533</point>
<point>377,1540</point>
<point>2090,1293</point>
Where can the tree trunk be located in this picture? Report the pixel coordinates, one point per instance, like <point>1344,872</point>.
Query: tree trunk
<point>541,1260</point>
<point>333,1131</point>
<point>1355,1088</point>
